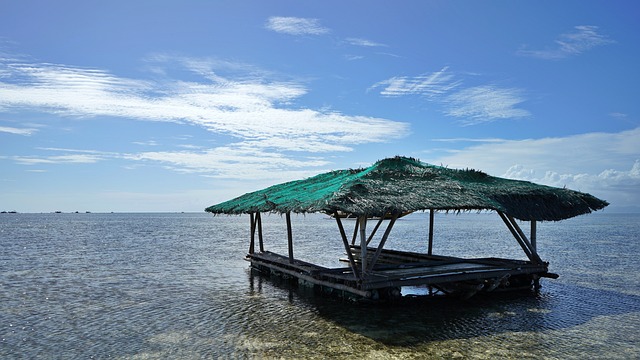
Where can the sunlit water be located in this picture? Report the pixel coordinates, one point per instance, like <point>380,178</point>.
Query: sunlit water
<point>176,286</point>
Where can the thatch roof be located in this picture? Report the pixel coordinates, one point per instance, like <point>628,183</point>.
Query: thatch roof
<point>403,184</point>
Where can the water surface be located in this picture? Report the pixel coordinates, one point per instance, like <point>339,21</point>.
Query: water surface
<point>176,286</point>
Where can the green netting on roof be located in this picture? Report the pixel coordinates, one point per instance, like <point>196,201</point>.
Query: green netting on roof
<point>403,184</point>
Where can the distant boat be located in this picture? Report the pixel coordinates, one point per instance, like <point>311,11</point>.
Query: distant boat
<point>58,212</point>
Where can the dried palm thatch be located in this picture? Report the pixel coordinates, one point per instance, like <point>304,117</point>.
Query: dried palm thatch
<point>402,184</point>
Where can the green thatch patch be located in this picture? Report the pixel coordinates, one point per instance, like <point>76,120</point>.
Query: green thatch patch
<point>403,184</point>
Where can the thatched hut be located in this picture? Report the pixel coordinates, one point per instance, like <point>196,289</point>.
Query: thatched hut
<point>396,186</point>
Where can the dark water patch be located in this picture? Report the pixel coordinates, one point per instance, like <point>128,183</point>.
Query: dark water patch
<point>414,321</point>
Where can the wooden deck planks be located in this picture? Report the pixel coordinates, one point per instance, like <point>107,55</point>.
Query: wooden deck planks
<point>431,271</point>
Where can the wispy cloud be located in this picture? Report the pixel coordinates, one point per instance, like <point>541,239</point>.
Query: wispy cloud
<point>473,140</point>
<point>258,113</point>
<point>428,84</point>
<point>228,162</point>
<point>353,57</point>
<point>69,156</point>
<point>473,105</point>
<point>484,104</point>
<point>296,26</point>
<point>249,109</point>
<point>60,159</point>
<point>146,143</point>
<point>363,42</point>
<point>583,38</point>
<point>18,131</point>
<point>222,162</point>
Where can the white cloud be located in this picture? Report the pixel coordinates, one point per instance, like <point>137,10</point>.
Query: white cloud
<point>483,140</point>
<point>18,131</point>
<point>146,143</point>
<point>238,161</point>
<point>428,84</point>
<point>363,42</point>
<point>233,163</point>
<point>474,105</point>
<point>604,164</point>
<point>583,38</point>
<point>485,103</point>
<point>353,57</point>
<point>60,159</point>
<point>250,109</point>
<point>296,26</point>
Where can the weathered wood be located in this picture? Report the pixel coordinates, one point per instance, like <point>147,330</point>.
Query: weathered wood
<point>397,257</point>
<point>524,239</point>
<point>289,236</point>
<point>375,229</point>
<point>343,235</point>
<point>362,220</point>
<point>253,233</point>
<point>355,233</point>
<point>450,273</point>
<point>431,218</point>
<point>259,222</point>
<point>377,272</point>
<point>515,234</point>
<point>306,276</point>
<point>524,244</point>
<point>533,235</point>
<point>383,240</point>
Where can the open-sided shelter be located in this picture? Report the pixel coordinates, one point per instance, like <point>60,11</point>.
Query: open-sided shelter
<point>387,190</point>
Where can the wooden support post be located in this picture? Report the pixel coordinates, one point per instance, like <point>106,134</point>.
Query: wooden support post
<point>524,238</point>
<point>355,233</point>
<point>253,233</point>
<point>516,232</point>
<point>289,236</point>
<point>533,236</point>
<point>430,251</point>
<point>362,220</point>
<point>343,235</point>
<point>375,229</point>
<point>259,222</point>
<point>374,259</point>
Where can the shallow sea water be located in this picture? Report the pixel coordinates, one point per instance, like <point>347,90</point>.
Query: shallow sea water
<point>157,286</point>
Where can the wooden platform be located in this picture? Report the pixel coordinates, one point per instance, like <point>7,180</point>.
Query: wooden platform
<point>396,269</point>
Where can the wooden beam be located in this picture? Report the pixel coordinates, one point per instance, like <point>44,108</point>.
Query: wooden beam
<point>430,250</point>
<point>526,248</point>
<point>259,222</point>
<point>253,233</point>
<point>362,220</point>
<point>374,259</point>
<point>524,238</point>
<point>355,233</point>
<point>375,229</point>
<point>533,236</point>
<point>289,236</point>
<point>515,235</point>
<point>343,235</point>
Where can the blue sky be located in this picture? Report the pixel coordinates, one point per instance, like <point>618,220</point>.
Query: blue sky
<point>177,105</point>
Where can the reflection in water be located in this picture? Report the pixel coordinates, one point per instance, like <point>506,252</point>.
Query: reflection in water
<point>557,307</point>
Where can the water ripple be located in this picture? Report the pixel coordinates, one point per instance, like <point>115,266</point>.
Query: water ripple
<point>175,286</point>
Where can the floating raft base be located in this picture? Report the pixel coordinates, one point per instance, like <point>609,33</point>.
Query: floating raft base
<point>395,270</point>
